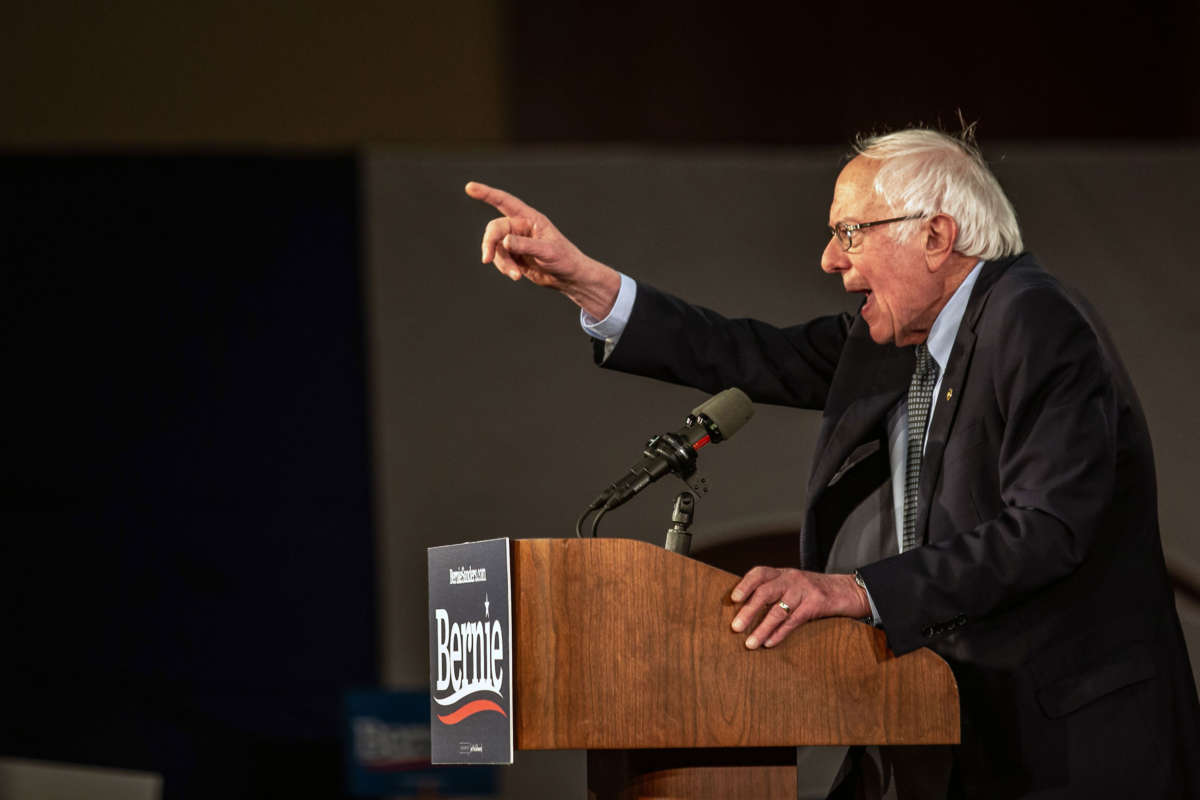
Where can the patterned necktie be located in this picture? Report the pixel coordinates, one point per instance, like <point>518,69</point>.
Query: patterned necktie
<point>920,398</point>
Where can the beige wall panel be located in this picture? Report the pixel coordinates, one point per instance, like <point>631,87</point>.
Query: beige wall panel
<point>490,420</point>
<point>26,779</point>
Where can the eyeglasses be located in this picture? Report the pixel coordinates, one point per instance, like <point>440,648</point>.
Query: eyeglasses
<point>845,233</point>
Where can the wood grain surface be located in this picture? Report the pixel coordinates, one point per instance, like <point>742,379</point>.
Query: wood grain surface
<point>621,644</point>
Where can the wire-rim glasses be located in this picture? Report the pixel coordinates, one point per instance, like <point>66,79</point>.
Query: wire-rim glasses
<point>845,232</point>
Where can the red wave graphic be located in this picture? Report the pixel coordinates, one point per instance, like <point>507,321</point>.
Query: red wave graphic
<point>469,709</point>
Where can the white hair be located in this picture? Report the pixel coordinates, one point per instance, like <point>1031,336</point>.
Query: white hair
<point>925,172</point>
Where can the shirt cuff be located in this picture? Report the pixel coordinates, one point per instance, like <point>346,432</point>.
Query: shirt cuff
<point>875,620</point>
<point>611,327</point>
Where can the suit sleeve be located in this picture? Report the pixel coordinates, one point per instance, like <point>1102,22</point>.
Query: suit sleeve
<point>673,341</point>
<point>1057,456</point>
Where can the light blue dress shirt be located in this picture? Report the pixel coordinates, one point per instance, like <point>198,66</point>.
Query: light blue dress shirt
<point>940,342</point>
<point>611,327</point>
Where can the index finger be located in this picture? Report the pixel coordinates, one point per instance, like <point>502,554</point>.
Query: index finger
<point>752,580</point>
<point>507,204</point>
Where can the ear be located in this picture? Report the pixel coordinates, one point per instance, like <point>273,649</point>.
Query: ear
<point>941,234</point>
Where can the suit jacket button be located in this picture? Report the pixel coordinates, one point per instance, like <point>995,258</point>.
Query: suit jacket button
<point>928,632</point>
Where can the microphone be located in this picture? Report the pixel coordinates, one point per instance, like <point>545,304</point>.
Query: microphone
<point>714,420</point>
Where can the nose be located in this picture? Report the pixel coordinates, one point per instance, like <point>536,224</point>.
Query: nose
<point>834,258</point>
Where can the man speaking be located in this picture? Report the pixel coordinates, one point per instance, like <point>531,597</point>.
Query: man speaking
<point>983,483</point>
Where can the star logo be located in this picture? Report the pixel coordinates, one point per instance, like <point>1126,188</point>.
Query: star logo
<point>487,606</point>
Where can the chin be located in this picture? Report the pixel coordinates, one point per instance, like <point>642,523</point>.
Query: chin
<point>881,336</point>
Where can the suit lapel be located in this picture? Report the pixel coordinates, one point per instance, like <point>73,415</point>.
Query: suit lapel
<point>868,384</point>
<point>948,401</point>
<point>842,437</point>
<point>858,422</point>
<point>858,401</point>
<point>950,393</point>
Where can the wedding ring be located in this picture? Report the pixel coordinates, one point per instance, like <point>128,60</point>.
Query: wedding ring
<point>786,608</point>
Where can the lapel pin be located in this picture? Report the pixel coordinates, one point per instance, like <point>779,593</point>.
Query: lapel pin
<point>949,393</point>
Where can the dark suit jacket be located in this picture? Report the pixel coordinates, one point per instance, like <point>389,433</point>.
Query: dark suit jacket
<point>1042,580</point>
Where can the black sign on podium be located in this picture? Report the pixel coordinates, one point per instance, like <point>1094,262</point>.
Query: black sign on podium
<point>470,653</point>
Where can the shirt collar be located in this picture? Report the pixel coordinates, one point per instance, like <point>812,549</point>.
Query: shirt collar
<point>945,327</point>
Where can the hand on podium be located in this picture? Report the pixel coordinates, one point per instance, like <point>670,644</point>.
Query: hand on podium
<point>792,597</point>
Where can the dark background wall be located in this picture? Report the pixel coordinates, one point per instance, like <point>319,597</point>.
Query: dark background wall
<point>306,73</point>
<point>314,73</point>
<point>209,501</point>
<point>818,73</point>
<point>185,492</point>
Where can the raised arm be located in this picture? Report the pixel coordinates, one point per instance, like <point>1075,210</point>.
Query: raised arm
<point>525,244</point>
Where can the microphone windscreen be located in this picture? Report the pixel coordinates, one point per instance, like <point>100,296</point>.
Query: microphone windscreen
<point>729,410</point>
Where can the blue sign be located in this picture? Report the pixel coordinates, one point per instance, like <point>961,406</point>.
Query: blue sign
<point>388,750</point>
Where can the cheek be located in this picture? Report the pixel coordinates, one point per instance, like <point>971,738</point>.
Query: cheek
<point>884,297</point>
<point>897,295</point>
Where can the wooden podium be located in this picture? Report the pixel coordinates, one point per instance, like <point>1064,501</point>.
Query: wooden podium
<point>624,649</point>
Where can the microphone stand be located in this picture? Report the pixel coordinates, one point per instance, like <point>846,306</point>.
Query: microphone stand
<point>679,540</point>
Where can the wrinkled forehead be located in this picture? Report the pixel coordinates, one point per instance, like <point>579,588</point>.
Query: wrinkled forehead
<point>854,196</point>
